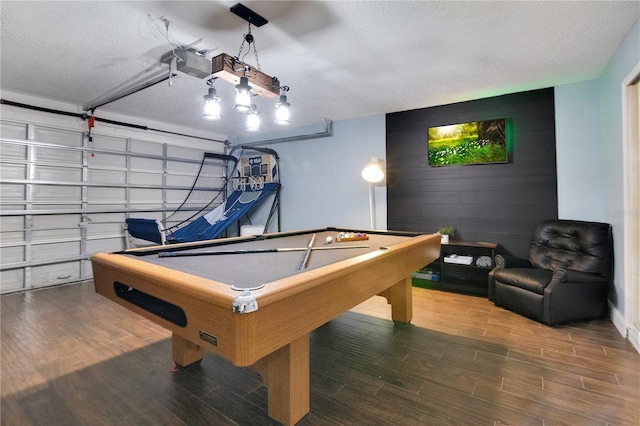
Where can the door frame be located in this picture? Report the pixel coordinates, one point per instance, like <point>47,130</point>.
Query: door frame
<point>631,156</point>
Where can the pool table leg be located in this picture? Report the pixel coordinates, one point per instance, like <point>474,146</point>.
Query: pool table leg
<point>285,373</point>
<point>185,352</point>
<point>400,298</point>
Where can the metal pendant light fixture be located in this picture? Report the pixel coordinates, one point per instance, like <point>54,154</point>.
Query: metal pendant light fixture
<point>243,95</point>
<point>249,80</point>
<point>253,120</point>
<point>282,108</point>
<point>211,103</point>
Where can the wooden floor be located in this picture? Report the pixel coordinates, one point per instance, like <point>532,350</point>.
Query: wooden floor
<point>71,357</point>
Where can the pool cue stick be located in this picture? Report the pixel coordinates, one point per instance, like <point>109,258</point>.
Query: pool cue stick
<point>338,247</point>
<point>251,251</point>
<point>305,256</point>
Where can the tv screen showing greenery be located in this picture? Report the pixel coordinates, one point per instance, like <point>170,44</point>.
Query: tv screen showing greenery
<point>475,142</point>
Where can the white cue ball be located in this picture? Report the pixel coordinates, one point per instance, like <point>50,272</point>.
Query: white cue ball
<point>329,239</point>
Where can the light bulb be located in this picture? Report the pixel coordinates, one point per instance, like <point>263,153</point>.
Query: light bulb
<point>253,120</point>
<point>373,172</point>
<point>243,96</point>
<point>211,105</point>
<point>282,111</point>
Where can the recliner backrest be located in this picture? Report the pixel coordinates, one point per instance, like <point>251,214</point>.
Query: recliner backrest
<point>570,244</point>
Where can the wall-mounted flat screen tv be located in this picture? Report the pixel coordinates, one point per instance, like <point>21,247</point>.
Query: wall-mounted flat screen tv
<point>475,142</point>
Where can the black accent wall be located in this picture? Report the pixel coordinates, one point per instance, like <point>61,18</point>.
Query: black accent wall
<point>499,203</point>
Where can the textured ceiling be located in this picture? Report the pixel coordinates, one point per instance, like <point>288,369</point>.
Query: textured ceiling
<point>342,59</point>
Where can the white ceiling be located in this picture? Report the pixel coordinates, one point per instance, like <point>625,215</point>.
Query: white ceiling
<point>342,59</point>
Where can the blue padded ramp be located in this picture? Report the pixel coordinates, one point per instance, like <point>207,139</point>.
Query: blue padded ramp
<point>144,229</point>
<point>212,224</point>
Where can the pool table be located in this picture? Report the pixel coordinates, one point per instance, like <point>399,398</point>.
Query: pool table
<point>256,303</point>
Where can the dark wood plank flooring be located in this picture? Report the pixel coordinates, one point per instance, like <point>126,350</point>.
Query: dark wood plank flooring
<point>71,357</point>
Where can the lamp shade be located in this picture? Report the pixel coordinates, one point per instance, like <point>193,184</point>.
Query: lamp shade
<point>373,172</point>
<point>253,120</point>
<point>282,111</point>
<point>211,105</point>
<point>243,95</point>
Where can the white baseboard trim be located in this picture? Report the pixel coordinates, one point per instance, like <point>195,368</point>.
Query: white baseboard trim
<point>618,320</point>
<point>632,333</point>
<point>634,337</point>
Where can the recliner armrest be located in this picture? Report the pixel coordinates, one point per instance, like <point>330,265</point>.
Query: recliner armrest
<point>571,276</point>
<point>504,261</point>
<point>573,296</point>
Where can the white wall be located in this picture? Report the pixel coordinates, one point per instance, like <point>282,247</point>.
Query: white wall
<point>610,85</point>
<point>589,147</point>
<point>321,181</point>
<point>581,190</point>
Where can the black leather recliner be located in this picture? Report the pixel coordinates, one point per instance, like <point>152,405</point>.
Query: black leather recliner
<point>566,278</point>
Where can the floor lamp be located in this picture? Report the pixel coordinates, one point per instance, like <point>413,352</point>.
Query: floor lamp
<point>373,173</point>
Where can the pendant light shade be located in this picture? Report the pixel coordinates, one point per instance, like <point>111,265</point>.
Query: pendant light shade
<point>282,111</point>
<point>243,96</point>
<point>211,105</point>
<point>253,120</point>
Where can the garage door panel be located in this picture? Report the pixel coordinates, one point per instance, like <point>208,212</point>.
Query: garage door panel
<point>105,245</point>
<point>146,195</point>
<point>189,169</point>
<point>55,250</point>
<point>11,192</point>
<point>108,143</point>
<point>149,148</point>
<point>138,178</point>
<point>11,237</point>
<point>52,234</point>
<point>13,171</point>
<point>102,229</point>
<point>12,228</point>
<point>175,180</point>
<point>107,176</point>
<point>56,273</point>
<point>99,218</point>
<point>58,136</point>
<point>175,196</point>
<point>14,152</point>
<point>12,254</point>
<point>97,195</point>
<point>56,193</point>
<point>42,222</point>
<point>48,206</point>
<point>146,164</point>
<point>105,224</point>
<point>9,207</point>
<point>183,152</point>
<point>58,174</point>
<point>51,227</point>
<point>12,130</point>
<point>11,280</point>
<point>59,156</point>
<point>100,159</point>
<point>147,215</point>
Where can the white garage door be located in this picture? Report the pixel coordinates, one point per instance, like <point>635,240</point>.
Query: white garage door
<point>64,197</point>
